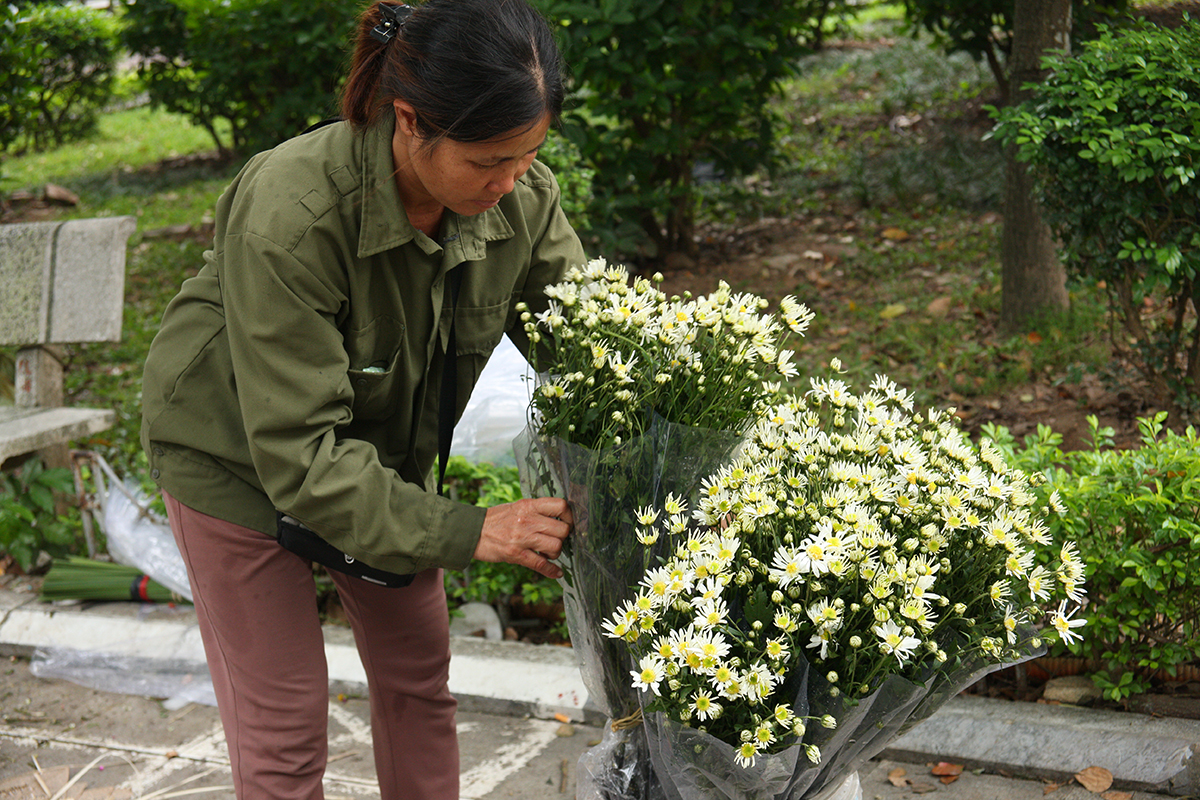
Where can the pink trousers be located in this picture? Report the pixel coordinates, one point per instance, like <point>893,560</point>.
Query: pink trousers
<point>257,610</point>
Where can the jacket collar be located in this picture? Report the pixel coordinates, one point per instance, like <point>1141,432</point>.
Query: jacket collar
<point>384,224</point>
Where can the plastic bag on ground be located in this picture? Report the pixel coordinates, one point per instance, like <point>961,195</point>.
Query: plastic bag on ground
<point>139,539</point>
<point>175,681</point>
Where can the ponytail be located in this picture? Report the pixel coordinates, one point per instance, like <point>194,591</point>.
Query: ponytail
<point>358,101</point>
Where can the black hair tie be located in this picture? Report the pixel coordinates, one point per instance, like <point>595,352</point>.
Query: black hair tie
<point>392,20</point>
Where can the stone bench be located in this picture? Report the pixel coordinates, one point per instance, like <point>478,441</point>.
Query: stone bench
<point>60,283</point>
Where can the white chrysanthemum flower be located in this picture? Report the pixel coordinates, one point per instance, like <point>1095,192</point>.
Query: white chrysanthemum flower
<point>745,755</point>
<point>1065,626</point>
<point>784,621</point>
<point>777,649</point>
<point>617,628</point>
<point>1010,624</point>
<point>822,639</point>
<point>825,615</point>
<point>659,584</point>
<point>703,705</point>
<point>600,354</point>
<point>759,682</point>
<point>647,536</point>
<point>999,591</point>
<point>1073,590</point>
<point>1039,581</point>
<point>674,505</point>
<point>893,641</point>
<point>1019,563</point>
<point>622,368</point>
<point>647,515</point>
<point>795,314</point>
<point>711,613</point>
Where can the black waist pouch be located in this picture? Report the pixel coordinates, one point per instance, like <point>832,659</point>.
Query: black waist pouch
<point>303,541</point>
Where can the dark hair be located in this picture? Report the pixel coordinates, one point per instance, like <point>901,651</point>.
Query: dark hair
<point>472,69</point>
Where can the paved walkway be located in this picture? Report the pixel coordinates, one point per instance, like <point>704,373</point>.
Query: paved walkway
<point>513,746</point>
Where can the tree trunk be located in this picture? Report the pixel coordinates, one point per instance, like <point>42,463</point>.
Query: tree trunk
<point>1033,281</point>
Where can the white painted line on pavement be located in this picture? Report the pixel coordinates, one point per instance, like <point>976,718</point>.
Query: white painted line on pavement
<point>478,781</point>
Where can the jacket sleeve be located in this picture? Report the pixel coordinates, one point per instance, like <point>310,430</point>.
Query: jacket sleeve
<point>295,395</point>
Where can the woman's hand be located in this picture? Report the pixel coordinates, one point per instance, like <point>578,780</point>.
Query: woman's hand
<point>529,532</point>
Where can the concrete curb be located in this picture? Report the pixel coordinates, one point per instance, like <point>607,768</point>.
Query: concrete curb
<point>1033,740</point>
<point>487,676</point>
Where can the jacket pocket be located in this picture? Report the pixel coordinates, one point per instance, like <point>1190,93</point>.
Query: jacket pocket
<point>478,329</point>
<point>374,353</point>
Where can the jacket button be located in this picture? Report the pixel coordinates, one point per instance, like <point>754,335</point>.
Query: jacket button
<point>158,451</point>
<point>154,474</point>
<point>361,381</point>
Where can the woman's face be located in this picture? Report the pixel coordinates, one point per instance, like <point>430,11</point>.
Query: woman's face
<point>467,178</point>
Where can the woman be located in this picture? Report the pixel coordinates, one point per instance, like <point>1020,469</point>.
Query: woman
<point>299,374</point>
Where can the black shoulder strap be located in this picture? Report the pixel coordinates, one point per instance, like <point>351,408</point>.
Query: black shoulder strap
<point>449,394</point>
<point>321,124</point>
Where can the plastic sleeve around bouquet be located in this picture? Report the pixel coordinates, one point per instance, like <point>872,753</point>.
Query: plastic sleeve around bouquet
<point>603,558</point>
<point>604,561</point>
<point>696,766</point>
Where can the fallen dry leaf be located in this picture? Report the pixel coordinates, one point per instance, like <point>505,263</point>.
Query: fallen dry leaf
<point>948,779</point>
<point>1034,337</point>
<point>944,769</point>
<point>1094,779</point>
<point>1050,787</point>
<point>923,788</point>
<point>1115,795</point>
<point>895,234</point>
<point>940,307</point>
<point>893,310</point>
<point>897,777</point>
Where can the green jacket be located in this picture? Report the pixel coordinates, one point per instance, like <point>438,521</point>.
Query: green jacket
<point>300,369</point>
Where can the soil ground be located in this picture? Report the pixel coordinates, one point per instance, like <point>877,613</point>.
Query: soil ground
<point>772,257</point>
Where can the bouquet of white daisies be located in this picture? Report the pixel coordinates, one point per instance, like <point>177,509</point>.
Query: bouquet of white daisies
<point>771,586</point>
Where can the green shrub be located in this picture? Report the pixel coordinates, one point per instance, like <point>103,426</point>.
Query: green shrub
<point>663,86</point>
<point>57,63</point>
<point>575,179</point>
<point>487,485</point>
<point>1112,138</point>
<point>1135,515</point>
<point>268,67</point>
<point>28,521</point>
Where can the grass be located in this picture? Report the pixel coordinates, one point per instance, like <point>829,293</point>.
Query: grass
<point>125,168</point>
<point>872,139</point>
<point>886,164</point>
<point>157,167</point>
<point>921,308</point>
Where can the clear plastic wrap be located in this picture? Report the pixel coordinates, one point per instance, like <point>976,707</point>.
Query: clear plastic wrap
<point>177,682</point>
<point>696,766</point>
<point>603,558</point>
<point>498,408</point>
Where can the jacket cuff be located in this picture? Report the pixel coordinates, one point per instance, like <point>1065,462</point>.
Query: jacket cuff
<point>460,528</point>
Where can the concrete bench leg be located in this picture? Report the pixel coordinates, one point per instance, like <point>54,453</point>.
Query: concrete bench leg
<point>39,380</point>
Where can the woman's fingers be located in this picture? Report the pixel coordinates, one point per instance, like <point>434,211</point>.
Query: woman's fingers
<point>529,532</point>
